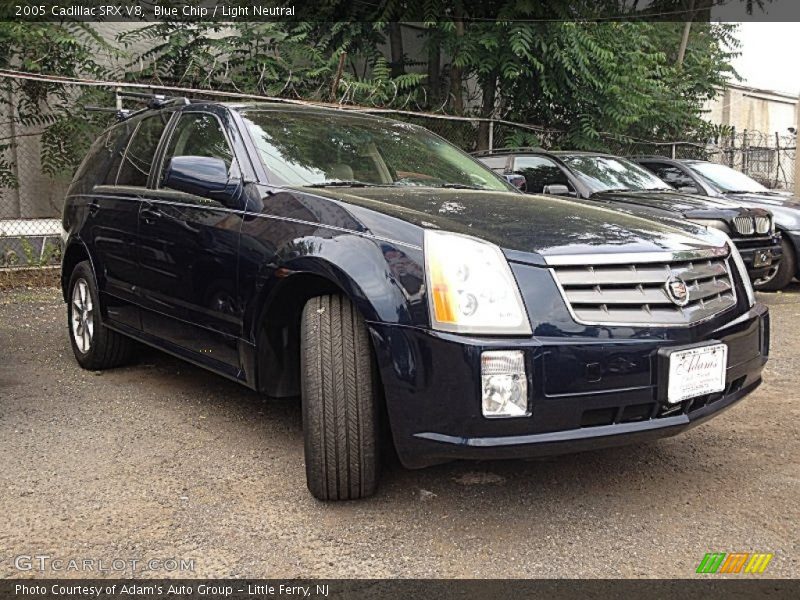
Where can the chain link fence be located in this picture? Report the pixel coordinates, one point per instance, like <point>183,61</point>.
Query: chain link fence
<point>31,197</point>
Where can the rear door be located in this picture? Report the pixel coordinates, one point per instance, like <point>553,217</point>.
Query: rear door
<point>188,249</point>
<point>113,211</point>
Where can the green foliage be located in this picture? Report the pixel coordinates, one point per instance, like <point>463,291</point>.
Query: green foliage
<point>593,78</point>
<point>522,60</point>
<point>55,109</point>
<point>518,138</point>
<point>293,59</point>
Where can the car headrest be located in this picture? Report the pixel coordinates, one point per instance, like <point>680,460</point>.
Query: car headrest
<point>340,171</point>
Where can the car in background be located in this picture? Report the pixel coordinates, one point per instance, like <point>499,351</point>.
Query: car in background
<point>623,185</point>
<point>721,181</point>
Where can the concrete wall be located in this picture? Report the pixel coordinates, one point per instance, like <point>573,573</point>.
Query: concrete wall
<point>754,110</point>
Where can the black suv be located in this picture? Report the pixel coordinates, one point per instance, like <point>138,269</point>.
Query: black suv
<point>623,185</point>
<point>384,276</point>
<point>720,181</point>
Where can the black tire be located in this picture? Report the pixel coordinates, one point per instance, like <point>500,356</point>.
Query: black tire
<point>340,408</point>
<point>786,270</point>
<point>106,348</point>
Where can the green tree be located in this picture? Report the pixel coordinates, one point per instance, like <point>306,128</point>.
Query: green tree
<point>65,49</point>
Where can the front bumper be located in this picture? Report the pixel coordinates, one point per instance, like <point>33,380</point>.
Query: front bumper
<point>755,252</point>
<point>584,393</point>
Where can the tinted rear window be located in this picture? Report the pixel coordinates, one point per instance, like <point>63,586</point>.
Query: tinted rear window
<point>98,161</point>
<point>139,156</point>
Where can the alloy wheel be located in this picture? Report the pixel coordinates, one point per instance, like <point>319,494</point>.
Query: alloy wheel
<point>766,278</point>
<point>82,316</point>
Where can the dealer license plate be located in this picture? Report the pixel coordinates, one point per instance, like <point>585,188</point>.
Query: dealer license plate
<point>696,372</point>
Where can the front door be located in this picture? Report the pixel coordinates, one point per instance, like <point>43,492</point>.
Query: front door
<point>188,253</point>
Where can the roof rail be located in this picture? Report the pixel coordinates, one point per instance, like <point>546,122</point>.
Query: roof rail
<point>508,150</point>
<point>120,113</point>
<point>151,101</point>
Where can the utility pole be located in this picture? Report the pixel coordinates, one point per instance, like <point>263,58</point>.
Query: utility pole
<point>685,38</point>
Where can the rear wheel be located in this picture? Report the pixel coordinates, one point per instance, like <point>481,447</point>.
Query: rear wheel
<point>340,410</point>
<point>95,346</point>
<point>783,275</point>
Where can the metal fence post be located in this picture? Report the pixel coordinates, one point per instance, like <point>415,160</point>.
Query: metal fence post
<point>744,152</point>
<point>491,135</point>
<point>778,156</point>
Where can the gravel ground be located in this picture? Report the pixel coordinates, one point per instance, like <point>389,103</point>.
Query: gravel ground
<point>161,460</point>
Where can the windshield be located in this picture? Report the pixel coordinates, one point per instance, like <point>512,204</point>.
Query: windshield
<point>302,149</point>
<point>606,173</point>
<point>727,179</point>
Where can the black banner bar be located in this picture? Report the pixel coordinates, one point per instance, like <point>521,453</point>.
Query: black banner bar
<point>228,11</point>
<point>710,588</point>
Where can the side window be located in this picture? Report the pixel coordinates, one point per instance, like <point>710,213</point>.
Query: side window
<point>495,163</point>
<point>117,151</point>
<point>100,159</point>
<point>139,156</point>
<point>198,134</point>
<point>540,171</point>
<point>672,175</point>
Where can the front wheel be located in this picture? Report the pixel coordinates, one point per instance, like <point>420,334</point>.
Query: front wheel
<point>95,346</point>
<point>340,408</point>
<point>782,276</point>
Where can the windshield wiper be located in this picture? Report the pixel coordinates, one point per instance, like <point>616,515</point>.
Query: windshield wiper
<point>611,190</point>
<point>458,186</point>
<point>741,192</point>
<point>340,183</point>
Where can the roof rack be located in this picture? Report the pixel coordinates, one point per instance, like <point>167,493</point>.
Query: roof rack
<point>120,113</point>
<point>508,150</point>
<point>151,102</point>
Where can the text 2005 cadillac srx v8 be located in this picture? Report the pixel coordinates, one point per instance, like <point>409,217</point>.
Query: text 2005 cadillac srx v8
<point>386,277</point>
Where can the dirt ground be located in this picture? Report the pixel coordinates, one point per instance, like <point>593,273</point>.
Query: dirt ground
<point>162,460</point>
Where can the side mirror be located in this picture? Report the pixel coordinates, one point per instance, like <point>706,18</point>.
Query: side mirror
<point>518,181</point>
<point>201,176</point>
<point>556,189</point>
<point>688,189</point>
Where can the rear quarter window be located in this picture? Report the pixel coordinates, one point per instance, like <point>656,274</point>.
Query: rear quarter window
<point>100,158</point>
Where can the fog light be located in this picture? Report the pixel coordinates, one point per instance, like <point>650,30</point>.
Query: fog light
<point>505,386</point>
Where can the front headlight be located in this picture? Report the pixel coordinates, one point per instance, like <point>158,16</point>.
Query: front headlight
<point>471,288</point>
<point>740,266</point>
<point>712,224</point>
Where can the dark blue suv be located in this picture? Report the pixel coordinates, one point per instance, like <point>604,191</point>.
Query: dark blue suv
<point>386,277</point>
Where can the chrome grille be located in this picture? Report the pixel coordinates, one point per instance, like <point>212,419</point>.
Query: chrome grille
<point>744,225</point>
<point>763,224</point>
<point>636,294</point>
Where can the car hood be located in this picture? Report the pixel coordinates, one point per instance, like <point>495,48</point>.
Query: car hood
<point>688,205</point>
<point>766,199</point>
<point>520,223</point>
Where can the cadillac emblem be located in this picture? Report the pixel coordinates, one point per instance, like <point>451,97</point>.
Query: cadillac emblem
<point>677,291</point>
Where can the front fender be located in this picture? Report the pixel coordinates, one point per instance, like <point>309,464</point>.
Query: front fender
<point>384,279</point>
